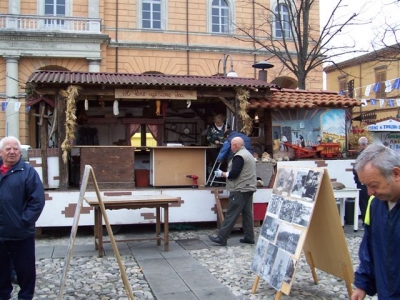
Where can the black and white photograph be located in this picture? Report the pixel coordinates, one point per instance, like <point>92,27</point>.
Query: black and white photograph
<point>284,182</point>
<point>266,267</point>
<point>288,238</point>
<point>259,253</point>
<point>302,213</point>
<point>298,188</point>
<point>291,267</point>
<point>269,228</point>
<point>311,185</point>
<point>287,210</point>
<point>275,204</point>
<point>279,269</point>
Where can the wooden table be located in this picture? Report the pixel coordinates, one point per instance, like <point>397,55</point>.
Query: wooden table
<point>132,202</point>
<point>342,195</point>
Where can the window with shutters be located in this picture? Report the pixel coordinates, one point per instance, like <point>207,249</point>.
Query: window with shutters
<point>380,78</point>
<point>343,85</point>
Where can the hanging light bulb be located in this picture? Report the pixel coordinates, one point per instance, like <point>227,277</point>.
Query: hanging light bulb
<point>115,108</point>
<point>86,104</point>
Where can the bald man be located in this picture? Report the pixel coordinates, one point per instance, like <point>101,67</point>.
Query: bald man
<point>241,184</point>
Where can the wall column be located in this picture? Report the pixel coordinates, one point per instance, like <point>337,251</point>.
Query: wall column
<point>13,104</point>
<point>94,64</point>
<point>14,7</point>
<point>94,8</point>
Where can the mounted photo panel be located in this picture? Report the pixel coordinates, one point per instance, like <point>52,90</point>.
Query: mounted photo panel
<point>302,216</point>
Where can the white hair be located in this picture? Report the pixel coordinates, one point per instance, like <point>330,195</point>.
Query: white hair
<point>10,138</point>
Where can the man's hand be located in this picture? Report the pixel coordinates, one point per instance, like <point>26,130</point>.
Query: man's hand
<point>358,294</point>
<point>218,173</point>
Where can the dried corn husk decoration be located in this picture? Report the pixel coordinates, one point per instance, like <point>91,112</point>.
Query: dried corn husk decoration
<point>242,95</point>
<point>70,121</point>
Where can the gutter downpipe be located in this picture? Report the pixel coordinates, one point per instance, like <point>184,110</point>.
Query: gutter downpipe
<point>187,38</point>
<point>116,36</point>
<point>254,34</point>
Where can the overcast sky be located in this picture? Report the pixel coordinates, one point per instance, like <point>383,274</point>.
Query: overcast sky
<point>373,12</point>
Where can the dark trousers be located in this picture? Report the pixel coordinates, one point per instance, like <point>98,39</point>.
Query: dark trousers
<point>22,254</point>
<point>363,200</point>
<point>239,203</point>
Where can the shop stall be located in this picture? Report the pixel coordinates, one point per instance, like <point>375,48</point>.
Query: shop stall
<point>386,133</point>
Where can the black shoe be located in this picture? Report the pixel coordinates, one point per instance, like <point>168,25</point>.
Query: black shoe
<point>246,241</point>
<point>217,240</point>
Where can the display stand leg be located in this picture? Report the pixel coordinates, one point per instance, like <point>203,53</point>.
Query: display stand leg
<point>255,284</point>
<point>158,226</point>
<point>312,266</point>
<point>347,279</point>
<point>278,295</point>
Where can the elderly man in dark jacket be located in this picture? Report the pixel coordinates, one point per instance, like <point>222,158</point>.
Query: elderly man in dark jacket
<point>378,168</point>
<point>21,203</point>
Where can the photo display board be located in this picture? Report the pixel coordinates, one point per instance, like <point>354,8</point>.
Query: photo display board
<point>285,225</point>
<point>291,226</point>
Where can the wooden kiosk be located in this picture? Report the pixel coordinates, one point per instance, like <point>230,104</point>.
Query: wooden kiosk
<point>302,217</point>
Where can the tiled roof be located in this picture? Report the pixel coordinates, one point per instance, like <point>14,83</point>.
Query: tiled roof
<point>278,99</point>
<point>295,99</point>
<point>67,77</point>
<point>381,54</point>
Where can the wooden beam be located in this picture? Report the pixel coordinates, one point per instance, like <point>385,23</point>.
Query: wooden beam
<point>228,105</point>
<point>142,121</point>
<point>43,145</point>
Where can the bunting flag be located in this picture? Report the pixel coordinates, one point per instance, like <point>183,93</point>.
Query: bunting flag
<point>398,101</point>
<point>391,102</point>
<point>4,104</point>
<point>396,84</point>
<point>17,106</point>
<point>377,87</point>
<point>381,102</point>
<point>341,93</point>
<point>364,102</point>
<point>388,85</point>
<point>373,101</point>
<point>368,90</point>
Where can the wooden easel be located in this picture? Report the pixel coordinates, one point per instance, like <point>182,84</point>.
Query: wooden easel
<point>324,244</point>
<point>87,172</point>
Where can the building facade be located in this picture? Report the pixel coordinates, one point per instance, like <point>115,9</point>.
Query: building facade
<point>175,37</point>
<point>374,79</point>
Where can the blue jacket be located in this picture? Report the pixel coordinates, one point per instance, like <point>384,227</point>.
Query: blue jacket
<point>225,153</point>
<point>21,201</point>
<point>379,267</point>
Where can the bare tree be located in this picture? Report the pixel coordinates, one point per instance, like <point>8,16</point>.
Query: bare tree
<point>387,34</point>
<point>290,33</point>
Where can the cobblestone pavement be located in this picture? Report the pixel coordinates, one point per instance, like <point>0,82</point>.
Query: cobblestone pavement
<point>90,277</point>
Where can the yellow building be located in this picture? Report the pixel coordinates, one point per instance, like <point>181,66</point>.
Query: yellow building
<point>373,78</point>
<point>176,37</point>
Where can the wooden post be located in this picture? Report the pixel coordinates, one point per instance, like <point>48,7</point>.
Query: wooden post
<point>89,171</point>
<point>43,144</point>
<point>255,284</point>
<point>63,167</point>
<point>312,266</point>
